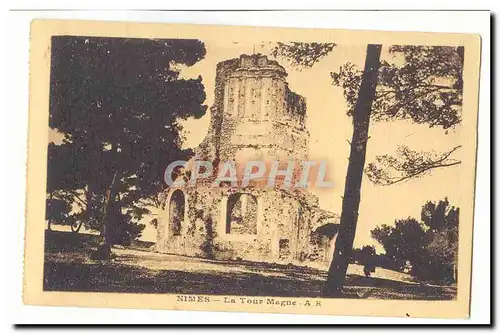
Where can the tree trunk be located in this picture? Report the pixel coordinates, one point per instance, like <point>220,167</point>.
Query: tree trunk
<point>76,228</point>
<point>108,203</point>
<point>461,54</point>
<point>88,211</point>
<point>49,227</point>
<point>104,250</point>
<point>351,199</point>
<point>90,204</point>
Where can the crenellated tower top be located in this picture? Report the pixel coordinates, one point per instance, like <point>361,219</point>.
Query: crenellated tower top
<point>255,114</point>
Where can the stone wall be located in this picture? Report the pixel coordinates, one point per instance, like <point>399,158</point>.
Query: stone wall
<point>284,226</point>
<point>255,116</point>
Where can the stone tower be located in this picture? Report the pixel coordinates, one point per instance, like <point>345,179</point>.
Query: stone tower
<point>255,115</point>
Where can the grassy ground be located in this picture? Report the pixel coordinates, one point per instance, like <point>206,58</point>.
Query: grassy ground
<point>68,267</point>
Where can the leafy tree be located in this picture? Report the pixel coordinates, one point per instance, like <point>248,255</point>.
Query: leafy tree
<point>407,164</point>
<point>365,256</point>
<point>442,220</point>
<point>58,210</point>
<point>62,187</point>
<point>404,241</point>
<point>366,253</point>
<point>425,87</point>
<point>300,54</point>
<point>440,216</point>
<point>430,246</point>
<point>118,101</point>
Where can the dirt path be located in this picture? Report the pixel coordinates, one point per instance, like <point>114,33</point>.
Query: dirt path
<point>147,272</point>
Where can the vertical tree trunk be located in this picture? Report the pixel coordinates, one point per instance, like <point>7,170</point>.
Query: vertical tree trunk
<point>49,227</point>
<point>351,199</point>
<point>104,250</point>
<point>88,211</point>
<point>89,214</point>
<point>461,54</point>
<point>108,203</point>
<point>90,205</point>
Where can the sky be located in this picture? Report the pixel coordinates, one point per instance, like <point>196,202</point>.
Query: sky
<point>330,132</point>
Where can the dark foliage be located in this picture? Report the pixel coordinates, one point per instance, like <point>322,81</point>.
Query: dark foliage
<point>431,246</point>
<point>421,83</point>
<point>118,102</point>
<point>301,54</point>
<point>425,87</point>
<point>368,255</point>
<point>407,164</point>
<point>59,211</point>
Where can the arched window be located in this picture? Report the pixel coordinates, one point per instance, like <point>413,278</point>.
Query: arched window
<point>241,216</point>
<point>324,239</point>
<point>176,213</point>
<point>284,249</point>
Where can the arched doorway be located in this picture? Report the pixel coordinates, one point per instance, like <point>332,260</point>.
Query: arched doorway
<point>324,237</point>
<point>177,206</point>
<point>241,214</point>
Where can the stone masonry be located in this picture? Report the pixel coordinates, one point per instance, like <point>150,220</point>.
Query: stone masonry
<point>255,116</point>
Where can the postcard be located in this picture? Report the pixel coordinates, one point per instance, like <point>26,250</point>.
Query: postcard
<point>251,169</point>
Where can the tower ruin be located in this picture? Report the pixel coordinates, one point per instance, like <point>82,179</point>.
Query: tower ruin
<point>255,116</point>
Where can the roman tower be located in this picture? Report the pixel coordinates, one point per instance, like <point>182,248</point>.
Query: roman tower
<point>255,115</point>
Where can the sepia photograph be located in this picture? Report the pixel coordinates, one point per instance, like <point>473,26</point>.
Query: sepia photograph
<point>251,169</point>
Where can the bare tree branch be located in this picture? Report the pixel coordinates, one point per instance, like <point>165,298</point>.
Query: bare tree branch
<point>301,54</point>
<point>407,164</point>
